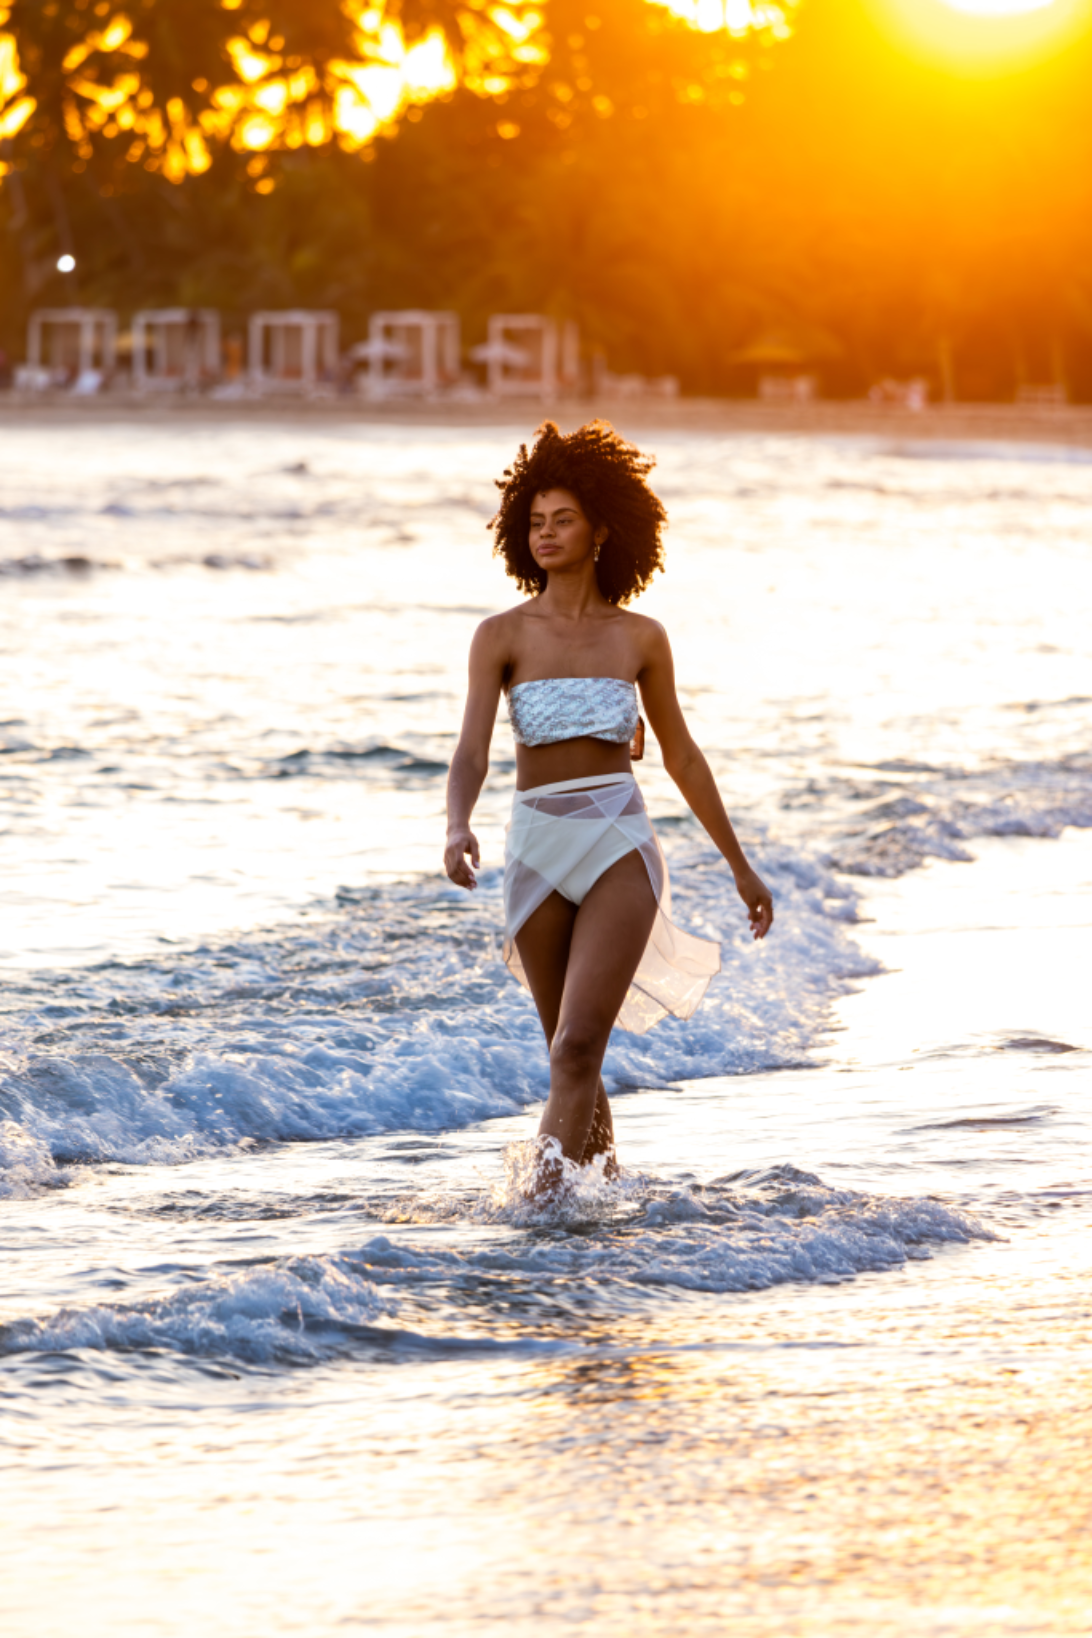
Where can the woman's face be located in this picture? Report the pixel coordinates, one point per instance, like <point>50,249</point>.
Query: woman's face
<point>561,534</point>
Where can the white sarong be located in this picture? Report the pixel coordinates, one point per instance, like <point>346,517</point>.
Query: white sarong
<point>561,838</point>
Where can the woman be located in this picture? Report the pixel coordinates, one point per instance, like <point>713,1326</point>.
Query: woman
<point>587,901</point>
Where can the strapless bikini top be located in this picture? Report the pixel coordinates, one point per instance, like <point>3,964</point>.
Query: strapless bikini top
<point>556,708</point>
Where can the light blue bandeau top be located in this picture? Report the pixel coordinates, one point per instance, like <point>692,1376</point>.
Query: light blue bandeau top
<point>556,708</point>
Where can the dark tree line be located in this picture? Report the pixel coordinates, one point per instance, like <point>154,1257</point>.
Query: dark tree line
<point>680,194</point>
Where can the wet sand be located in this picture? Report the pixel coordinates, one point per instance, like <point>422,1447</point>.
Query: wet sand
<point>988,423</point>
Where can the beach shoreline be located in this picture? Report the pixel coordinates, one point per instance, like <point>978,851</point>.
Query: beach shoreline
<point>1059,425</point>
<point>819,1364</point>
<point>845,1456</point>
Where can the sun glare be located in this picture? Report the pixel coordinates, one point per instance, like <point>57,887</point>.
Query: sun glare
<point>998,8</point>
<point>987,36</point>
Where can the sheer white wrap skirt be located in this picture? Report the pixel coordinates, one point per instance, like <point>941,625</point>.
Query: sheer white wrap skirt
<point>561,838</point>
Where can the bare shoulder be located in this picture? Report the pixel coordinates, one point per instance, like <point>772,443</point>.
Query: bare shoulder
<point>497,628</point>
<point>648,634</point>
<point>498,634</point>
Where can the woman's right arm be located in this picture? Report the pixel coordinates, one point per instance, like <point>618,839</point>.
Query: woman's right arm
<point>470,764</point>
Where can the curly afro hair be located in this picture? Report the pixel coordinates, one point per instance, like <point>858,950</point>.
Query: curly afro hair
<point>609,477</point>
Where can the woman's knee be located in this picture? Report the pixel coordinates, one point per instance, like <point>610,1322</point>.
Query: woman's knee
<point>577,1049</point>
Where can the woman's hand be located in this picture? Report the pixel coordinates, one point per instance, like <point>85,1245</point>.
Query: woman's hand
<point>758,899</point>
<point>460,841</point>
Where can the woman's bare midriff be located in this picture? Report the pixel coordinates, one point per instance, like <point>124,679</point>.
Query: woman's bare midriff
<point>568,759</point>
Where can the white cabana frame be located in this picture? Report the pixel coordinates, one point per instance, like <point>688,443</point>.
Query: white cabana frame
<point>302,352</point>
<point>410,351</point>
<point>569,361</point>
<point>184,344</point>
<point>523,356</point>
<point>81,344</point>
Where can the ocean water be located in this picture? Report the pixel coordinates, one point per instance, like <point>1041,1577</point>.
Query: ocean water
<point>281,1349</point>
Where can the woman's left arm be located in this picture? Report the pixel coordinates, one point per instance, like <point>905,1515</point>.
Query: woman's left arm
<point>693,775</point>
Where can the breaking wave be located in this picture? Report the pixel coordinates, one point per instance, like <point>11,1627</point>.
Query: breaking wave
<point>929,812</point>
<point>286,1313</point>
<point>396,1013</point>
<point>609,1246</point>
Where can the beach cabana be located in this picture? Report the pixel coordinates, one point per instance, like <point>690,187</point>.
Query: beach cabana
<point>294,350</point>
<point>606,384</point>
<point>410,351</point>
<point>73,344</point>
<point>569,359</point>
<point>521,355</point>
<point>781,363</point>
<point>175,347</point>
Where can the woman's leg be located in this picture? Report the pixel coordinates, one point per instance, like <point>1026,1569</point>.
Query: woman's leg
<point>543,943</point>
<point>579,964</point>
<point>601,1136</point>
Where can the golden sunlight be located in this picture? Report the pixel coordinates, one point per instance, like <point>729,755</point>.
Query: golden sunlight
<point>737,16</point>
<point>998,8</point>
<point>987,36</point>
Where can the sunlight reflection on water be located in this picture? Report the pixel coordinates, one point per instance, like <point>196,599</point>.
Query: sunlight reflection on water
<point>273,1359</point>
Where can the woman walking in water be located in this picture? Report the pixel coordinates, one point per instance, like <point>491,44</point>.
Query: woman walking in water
<point>586,894</point>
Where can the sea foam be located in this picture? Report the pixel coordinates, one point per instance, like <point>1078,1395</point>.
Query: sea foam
<point>394,1014</point>
<point>591,1253</point>
<point>287,1313</point>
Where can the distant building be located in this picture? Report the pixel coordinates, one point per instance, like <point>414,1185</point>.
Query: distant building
<point>70,347</point>
<point>781,364</point>
<point>788,389</point>
<point>1047,395</point>
<point>294,350</point>
<point>911,395</point>
<point>605,384</point>
<point>527,356</point>
<point>175,347</point>
<point>410,352</point>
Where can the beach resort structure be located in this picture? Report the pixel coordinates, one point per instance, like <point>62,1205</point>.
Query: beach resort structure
<point>295,350</point>
<point>787,389</point>
<point>409,352</point>
<point>525,356</point>
<point>74,346</point>
<point>782,363</point>
<point>175,347</point>
<point>605,382</point>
